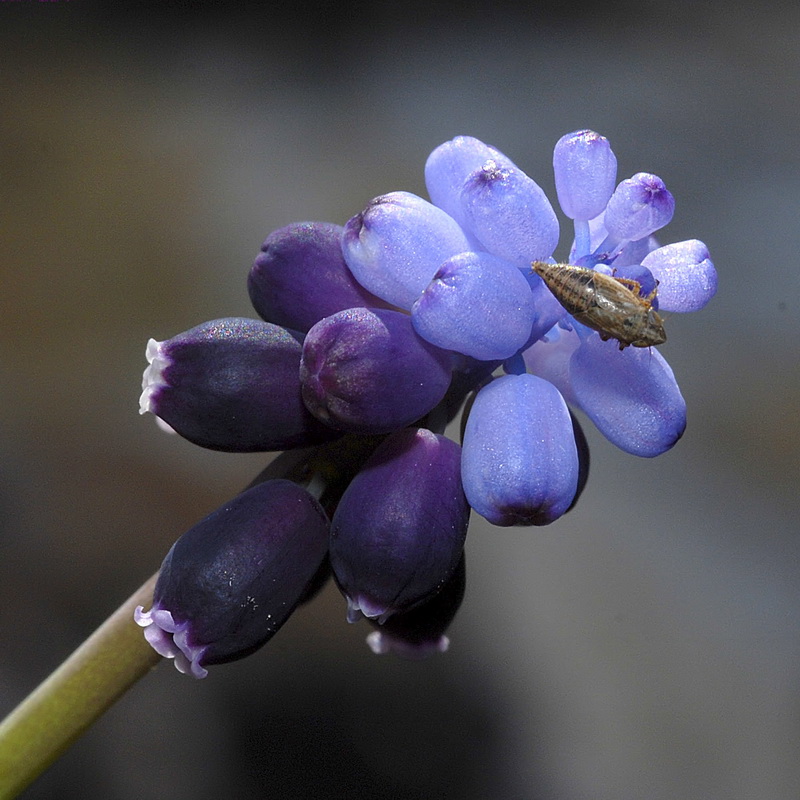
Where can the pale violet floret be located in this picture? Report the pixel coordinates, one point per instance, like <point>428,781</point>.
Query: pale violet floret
<point>478,305</point>
<point>585,171</point>
<point>509,214</point>
<point>449,165</point>
<point>520,464</point>
<point>631,396</point>
<point>639,206</point>
<point>686,275</point>
<point>396,245</point>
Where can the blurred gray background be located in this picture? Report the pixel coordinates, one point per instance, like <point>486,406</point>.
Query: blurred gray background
<point>646,646</point>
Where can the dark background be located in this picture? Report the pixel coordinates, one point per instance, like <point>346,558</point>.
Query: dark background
<point>646,645</point>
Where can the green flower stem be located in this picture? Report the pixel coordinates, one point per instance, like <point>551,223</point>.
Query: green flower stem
<point>56,713</point>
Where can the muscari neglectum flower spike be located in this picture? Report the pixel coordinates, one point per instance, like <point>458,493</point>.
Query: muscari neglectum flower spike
<point>329,359</point>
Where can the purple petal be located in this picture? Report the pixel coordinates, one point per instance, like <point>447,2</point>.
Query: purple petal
<point>585,170</point>
<point>367,371</point>
<point>639,206</point>
<point>686,275</point>
<point>630,395</point>
<point>509,214</point>
<point>231,384</point>
<point>230,582</point>
<point>301,276</point>
<point>478,305</point>
<point>520,463</point>
<point>398,532</point>
<point>395,246</point>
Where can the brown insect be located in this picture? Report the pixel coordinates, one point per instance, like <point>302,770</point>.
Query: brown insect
<point>611,306</point>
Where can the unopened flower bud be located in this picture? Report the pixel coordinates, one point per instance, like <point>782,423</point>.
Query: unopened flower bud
<point>396,244</point>
<point>639,206</point>
<point>585,170</point>
<point>449,166</point>
<point>520,464</point>
<point>367,371</point>
<point>631,396</point>
<point>509,214</point>
<point>687,277</point>
<point>478,305</point>
<point>300,276</point>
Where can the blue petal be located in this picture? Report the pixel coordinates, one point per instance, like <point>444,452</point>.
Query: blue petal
<point>520,463</point>
<point>510,214</point>
<point>395,246</point>
<point>630,395</point>
<point>585,169</point>
<point>686,275</point>
<point>449,166</point>
<point>478,305</point>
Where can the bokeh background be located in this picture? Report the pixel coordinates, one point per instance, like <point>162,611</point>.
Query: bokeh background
<point>646,646</point>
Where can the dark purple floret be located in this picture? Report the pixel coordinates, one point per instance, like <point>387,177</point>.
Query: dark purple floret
<point>398,533</point>
<point>228,584</point>
<point>232,384</point>
<point>367,371</point>
<point>300,276</point>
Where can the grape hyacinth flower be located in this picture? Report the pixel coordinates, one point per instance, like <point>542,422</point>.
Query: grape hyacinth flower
<point>228,584</point>
<point>372,337</point>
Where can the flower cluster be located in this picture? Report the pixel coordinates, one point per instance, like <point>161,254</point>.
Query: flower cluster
<point>371,338</point>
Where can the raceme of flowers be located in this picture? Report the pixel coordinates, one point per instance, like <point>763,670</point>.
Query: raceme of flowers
<point>371,338</point>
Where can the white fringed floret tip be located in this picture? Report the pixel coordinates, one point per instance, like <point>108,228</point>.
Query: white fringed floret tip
<point>381,643</point>
<point>170,640</point>
<point>151,378</point>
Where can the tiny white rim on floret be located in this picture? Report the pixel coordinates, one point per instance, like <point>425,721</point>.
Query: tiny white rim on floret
<point>152,377</point>
<point>381,643</point>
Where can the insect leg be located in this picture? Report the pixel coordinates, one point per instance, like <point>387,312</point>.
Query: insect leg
<point>634,286</point>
